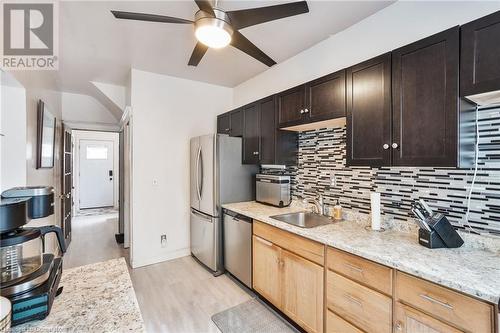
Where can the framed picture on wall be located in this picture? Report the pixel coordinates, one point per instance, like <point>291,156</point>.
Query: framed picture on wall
<point>46,132</point>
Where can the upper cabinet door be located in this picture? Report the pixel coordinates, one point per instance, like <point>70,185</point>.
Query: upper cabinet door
<point>369,112</point>
<point>223,123</point>
<point>291,106</point>
<point>425,101</point>
<point>267,131</point>
<point>251,134</point>
<point>480,50</point>
<point>236,121</point>
<point>326,97</point>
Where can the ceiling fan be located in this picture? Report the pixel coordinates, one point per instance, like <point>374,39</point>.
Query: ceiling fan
<point>216,28</point>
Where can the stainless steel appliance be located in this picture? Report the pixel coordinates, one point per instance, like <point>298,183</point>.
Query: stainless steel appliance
<point>273,190</point>
<point>217,176</point>
<point>238,246</point>
<point>29,276</point>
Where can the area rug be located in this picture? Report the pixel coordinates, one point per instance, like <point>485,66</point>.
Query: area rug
<point>251,317</point>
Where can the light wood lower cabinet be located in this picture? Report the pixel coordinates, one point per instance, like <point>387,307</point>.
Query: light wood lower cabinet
<point>335,324</point>
<point>291,283</point>
<point>409,320</point>
<point>266,270</point>
<point>368,309</point>
<point>302,291</point>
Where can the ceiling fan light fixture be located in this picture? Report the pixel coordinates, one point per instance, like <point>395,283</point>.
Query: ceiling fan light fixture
<point>214,32</point>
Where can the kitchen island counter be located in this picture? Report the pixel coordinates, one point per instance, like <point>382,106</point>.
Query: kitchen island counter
<point>96,298</point>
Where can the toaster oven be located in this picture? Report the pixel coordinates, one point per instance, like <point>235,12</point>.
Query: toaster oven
<point>273,190</point>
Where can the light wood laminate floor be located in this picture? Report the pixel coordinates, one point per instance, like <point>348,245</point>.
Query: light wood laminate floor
<point>177,296</point>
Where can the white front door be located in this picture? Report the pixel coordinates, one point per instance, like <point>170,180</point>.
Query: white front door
<point>96,174</point>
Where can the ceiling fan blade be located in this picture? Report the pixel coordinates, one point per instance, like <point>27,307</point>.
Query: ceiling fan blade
<point>148,17</point>
<point>198,53</point>
<point>205,6</point>
<point>243,44</point>
<point>248,17</point>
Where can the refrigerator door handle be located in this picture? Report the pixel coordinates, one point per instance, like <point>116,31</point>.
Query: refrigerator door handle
<point>202,175</point>
<point>198,173</point>
<point>204,216</point>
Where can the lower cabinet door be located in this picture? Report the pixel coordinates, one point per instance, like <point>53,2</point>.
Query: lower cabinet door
<point>302,291</point>
<point>409,320</point>
<point>266,270</point>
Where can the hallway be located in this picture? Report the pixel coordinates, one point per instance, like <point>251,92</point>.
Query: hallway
<point>93,238</point>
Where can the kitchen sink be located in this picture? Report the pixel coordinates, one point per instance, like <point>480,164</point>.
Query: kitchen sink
<point>304,219</point>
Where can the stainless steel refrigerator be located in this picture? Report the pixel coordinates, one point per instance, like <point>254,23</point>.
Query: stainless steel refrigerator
<point>217,177</point>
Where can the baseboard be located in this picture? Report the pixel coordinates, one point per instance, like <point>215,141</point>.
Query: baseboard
<point>136,263</point>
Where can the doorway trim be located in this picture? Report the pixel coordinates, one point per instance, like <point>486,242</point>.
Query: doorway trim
<point>99,136</point>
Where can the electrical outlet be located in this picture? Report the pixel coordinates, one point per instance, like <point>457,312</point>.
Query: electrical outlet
<point>333,181</point>
<point>163,240</point>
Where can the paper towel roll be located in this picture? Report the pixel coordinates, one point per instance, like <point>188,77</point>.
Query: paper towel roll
<point>375,207</point>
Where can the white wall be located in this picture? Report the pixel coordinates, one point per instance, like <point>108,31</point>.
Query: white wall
<point>166,113</point>
<point>13,129</point>
<point>85,112</point>
<point>47,177</point>
<point>93,135</point>
<point>394,26</point>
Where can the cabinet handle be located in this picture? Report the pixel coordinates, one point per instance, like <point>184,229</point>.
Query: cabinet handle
<point>435,301</point>
<point>395,145</point>
<point>263,241</point>
<point>354,300</point>
<point>306,110</point>
<point>256,153</point>
<point>302,111</point>
<point>399,326</point>
<point>385,146</point>
<point>227,130</point>
<point>354,268</point>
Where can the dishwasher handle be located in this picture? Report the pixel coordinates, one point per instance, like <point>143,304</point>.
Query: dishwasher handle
<point>237,217</point>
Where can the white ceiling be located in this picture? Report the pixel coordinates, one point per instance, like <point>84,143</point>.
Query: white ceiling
<point>94,46</point>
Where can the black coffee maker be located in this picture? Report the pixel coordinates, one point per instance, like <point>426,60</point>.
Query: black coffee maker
<point>29,276</point>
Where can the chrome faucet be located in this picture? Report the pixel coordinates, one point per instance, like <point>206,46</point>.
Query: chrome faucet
<point>319,204</point>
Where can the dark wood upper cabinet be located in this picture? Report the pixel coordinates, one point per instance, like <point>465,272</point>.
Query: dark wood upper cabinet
<point>291,106</point>
<point>267,130</point>
<point>223,123</point>
<point>236,121</point>
<point>369,112</point>
<point>325,97</point>
<point>425,101</point>
<point>251,134</point>
<point>480,56</point>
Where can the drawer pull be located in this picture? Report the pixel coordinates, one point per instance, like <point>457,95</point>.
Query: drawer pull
<point>353,300</point>
<point>435,301</point>
<point>263,241</point>
<point>354,268</point>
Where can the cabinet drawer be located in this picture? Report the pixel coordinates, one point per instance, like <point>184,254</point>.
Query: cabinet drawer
<point>307,249</point>
<point>374,275</point>
<point>364,307</point>
<point>335,324</point>
<point>457,309</point>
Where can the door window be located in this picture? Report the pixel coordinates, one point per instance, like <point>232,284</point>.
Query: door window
<point>97,153</point>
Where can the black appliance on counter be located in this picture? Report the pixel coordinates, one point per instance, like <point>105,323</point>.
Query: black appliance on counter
<point>29,276</point>
<point>435,229</point>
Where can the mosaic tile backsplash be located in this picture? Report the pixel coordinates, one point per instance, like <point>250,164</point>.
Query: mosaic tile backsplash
<point>322,156</point>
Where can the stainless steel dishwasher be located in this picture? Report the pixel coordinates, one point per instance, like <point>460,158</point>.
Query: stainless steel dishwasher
<point>238,246</point>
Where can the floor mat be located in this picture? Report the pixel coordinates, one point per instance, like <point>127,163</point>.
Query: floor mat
<point>251,317</point>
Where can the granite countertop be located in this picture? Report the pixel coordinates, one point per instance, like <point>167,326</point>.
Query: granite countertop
<point>473,269</point>
<point>96,298</point>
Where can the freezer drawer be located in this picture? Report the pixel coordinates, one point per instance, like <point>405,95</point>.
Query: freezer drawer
<point>238,246</point>
<point>205,232</point>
